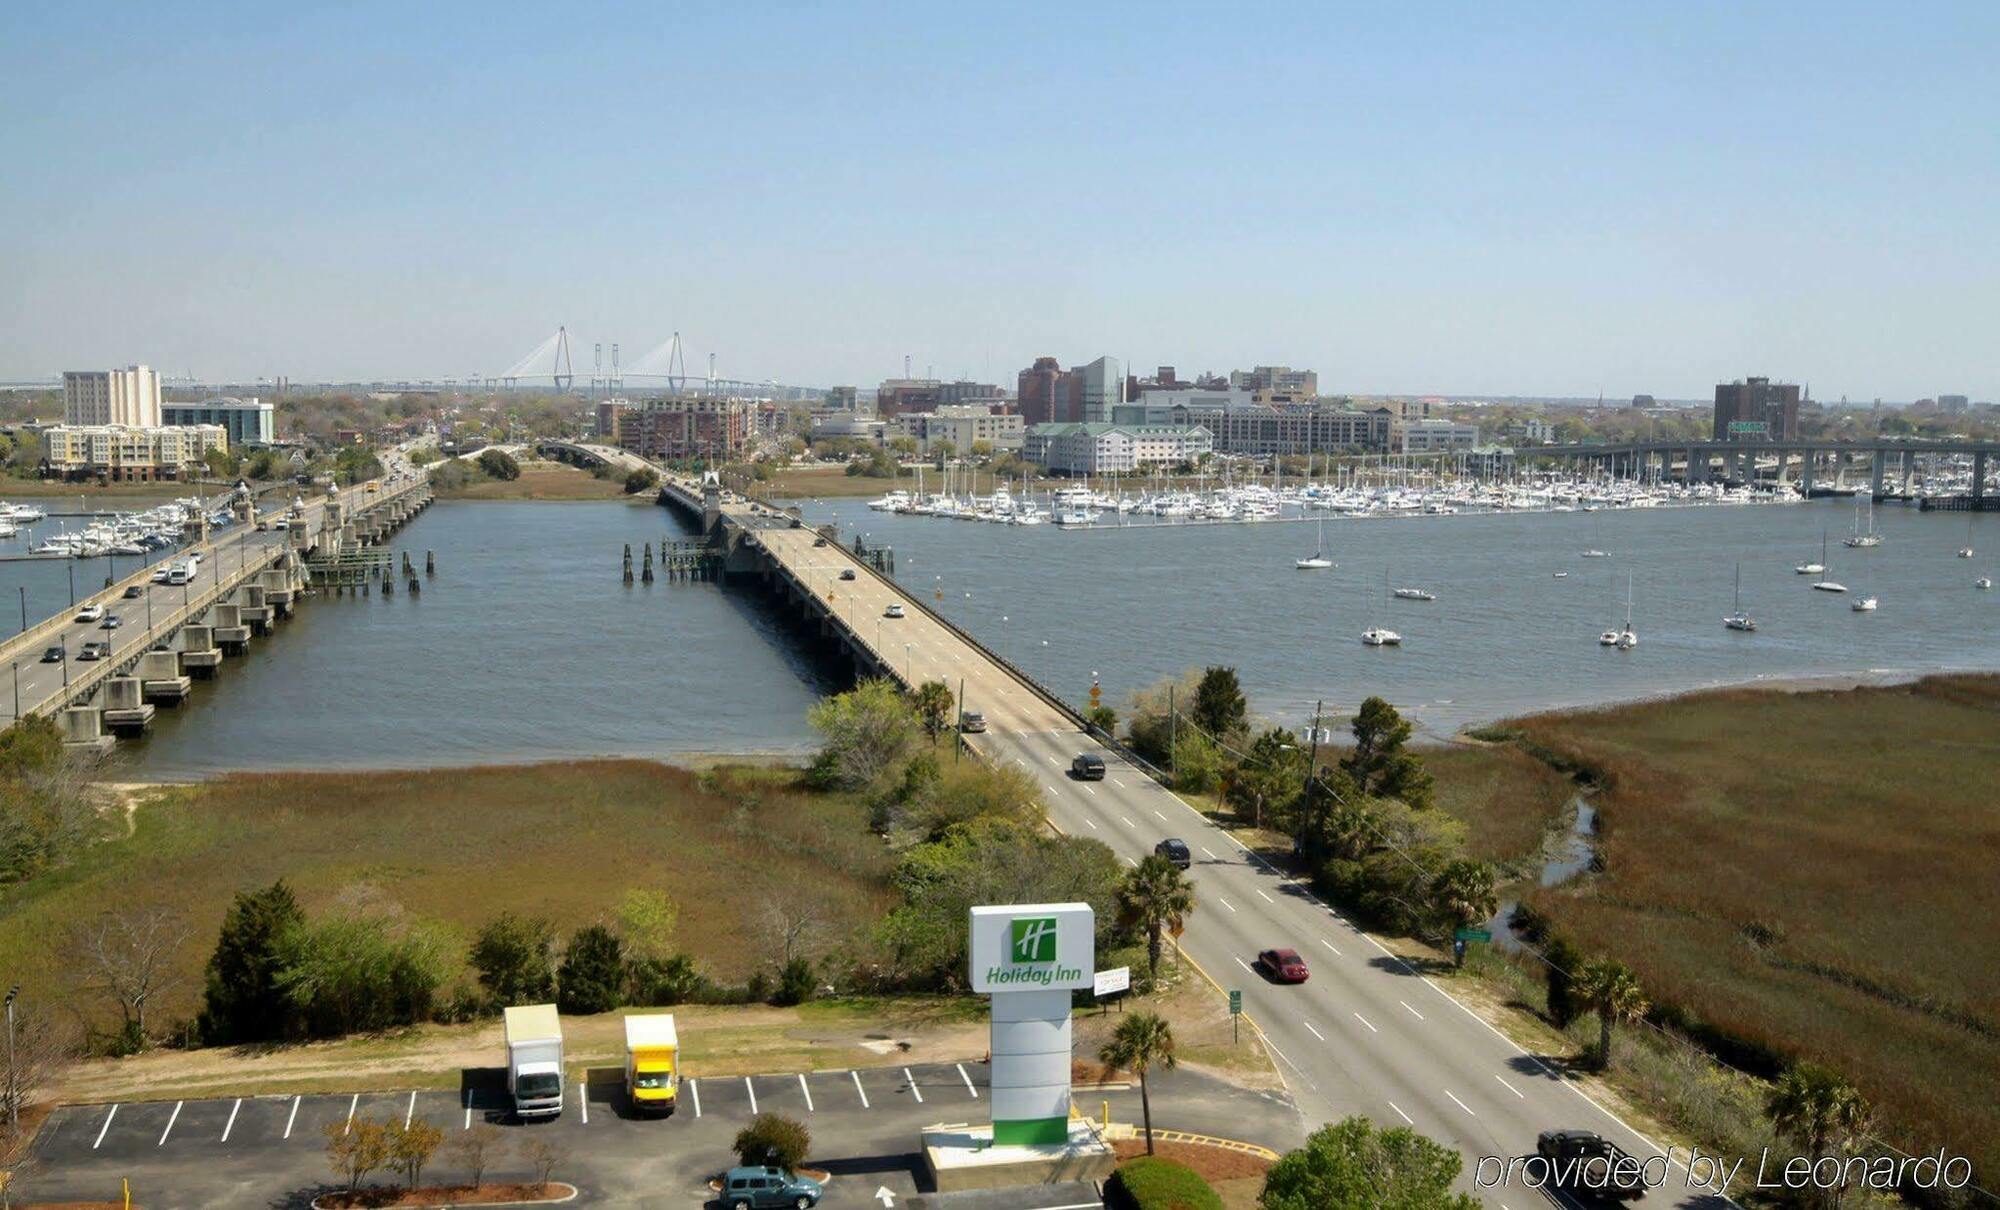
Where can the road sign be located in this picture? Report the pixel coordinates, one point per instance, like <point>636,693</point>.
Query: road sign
<point>1235,1002</point>
<point>1111,982</point>
<point>1473,935</point>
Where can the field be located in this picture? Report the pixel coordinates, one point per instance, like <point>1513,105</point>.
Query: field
<point>1508,799</point>
<point>827,482</point>
<point>563,841</point>
<point>546,481</point>
<point>1810,874</point>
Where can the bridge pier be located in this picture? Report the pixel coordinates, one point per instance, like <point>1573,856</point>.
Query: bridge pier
<point>199,655</point>
<point>1878,462</point>
<point>125,708</point>
<point>160,677</point>
<point>82,729</point>
<point>1978,479</point>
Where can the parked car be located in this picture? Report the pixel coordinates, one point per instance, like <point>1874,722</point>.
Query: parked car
<point>1087,767</point>
<point>971,722</point>
<point>1176,851</point>
<point>90,613</point>
<point>54,655</point>
<point>758,1188</point>
<point>111,622</point>
<point>134,591</point>
<point>1282,966</point>
<point>893,611</point>
<point>94,650</point>
<point>847,573</point>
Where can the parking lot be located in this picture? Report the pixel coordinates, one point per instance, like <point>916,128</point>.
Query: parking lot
<point>270,1150</point>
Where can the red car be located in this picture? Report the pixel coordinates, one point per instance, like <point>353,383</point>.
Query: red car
<point>1282,966</point>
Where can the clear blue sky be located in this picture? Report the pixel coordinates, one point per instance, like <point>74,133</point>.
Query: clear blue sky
<point>1541,198</point>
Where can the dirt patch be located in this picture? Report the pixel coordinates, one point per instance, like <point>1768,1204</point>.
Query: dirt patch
<point>444,1195</point>
<point>1212,1164</point>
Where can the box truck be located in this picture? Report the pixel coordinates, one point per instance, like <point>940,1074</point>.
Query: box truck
<point>652,1063</point>
<point>534,1060</point>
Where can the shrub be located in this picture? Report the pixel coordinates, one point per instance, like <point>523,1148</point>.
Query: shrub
<point>499,465</point>
<point>796,984</point>
<point>773,1139</point>
<point>242,1001</point>
<point>644,479</point>
<point>515,959</point>
<point>667,981</point>
<point>593,971</point>
<point>1152,1183</point>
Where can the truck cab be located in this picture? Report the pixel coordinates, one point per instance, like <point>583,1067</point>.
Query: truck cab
<point>652,1063</point>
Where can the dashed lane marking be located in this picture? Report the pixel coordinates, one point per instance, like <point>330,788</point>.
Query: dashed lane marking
<point>858,1089</point>
<point>1091,822</point>
<point>1263,896</point>
<point>1509,1087</point>
<point>1158,816</point>
<point>1364,1021</point>
<point>1206,853</point>
<point>1121,785</point>
<point>1315,1033</point>
<point>914,1090</point>
<point>1413,1012</point>
<point>1459,1103</point>
<point>1328,944</point>
<point>1225,903</point>
<point>1090,790</point>
<point>173,1117</point>
<point>1128,821</point>
<point>103,1128</point>
<point>231,1123</point>
<point>807,1091</point>
<point>1245,965</point>
<point>1401,1114</point>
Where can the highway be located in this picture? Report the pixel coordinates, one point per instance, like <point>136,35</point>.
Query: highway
<point>1366,1033</point>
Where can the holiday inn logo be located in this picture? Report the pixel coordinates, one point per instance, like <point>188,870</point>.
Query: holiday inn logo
<point>1034,939</point>
<point>1031,955</point>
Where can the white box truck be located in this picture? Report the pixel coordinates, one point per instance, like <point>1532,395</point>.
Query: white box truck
<point>652,1061</point>
<point>534,1060</point>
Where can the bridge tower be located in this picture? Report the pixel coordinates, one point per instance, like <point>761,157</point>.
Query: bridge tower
<point>596,367</point>
<point>565,374</point>
<point>617,379</point>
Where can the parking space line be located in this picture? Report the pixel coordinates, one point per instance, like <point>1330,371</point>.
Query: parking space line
<point>294,1114</point>
<point>231,1123</point>
<point>173,1117</point>
<point>862,1092</point>
<point>752,1090</point>
<point>582,1098</point>
<point>807,1091</point>
<point>968,1081</point>
<point>105,1127</point>
<point>1459,1103</point>
<point>1401,1114</point>
<point>695,1091</point>
<point>914,1090</point>
<point>350,1114</point>
<point>411,1111</point>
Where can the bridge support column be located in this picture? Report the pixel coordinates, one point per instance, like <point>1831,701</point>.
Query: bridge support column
<point>1878,463</point>
<point>83,727</point>
<point>125,708</point>
<point>1978,477</point>
<point>1807,461</point>
<point>160,677</point>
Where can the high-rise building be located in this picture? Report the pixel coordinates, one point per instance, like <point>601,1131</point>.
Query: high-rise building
<point>129,397</point>
<point>898,395</point>
<point>1103,388</point>
<point>1756,409</point>
<point>1952,403</point>
<point>127,453</point>
<point>1048,394</point>
<point>687,427</point>
<point>1279,380</point>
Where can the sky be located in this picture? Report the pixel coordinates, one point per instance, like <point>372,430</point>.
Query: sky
<point>1540,199</point>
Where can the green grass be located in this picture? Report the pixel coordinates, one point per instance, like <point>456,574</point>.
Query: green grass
<point>563,841</point>
<point>1508,799</point>
<point>1810,874</point>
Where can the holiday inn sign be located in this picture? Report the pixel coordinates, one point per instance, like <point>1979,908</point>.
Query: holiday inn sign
<point>1043,947</point>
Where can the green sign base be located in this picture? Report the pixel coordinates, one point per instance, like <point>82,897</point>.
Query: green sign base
<point>1031,1132</point>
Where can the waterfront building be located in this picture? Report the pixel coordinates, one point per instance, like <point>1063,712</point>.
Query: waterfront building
<point>247,421</point>
<point>961,425</point>
<point>686,427</point>
<point>128,453</point>
<point>1952,403</point>
<point>129,397</point>
<point>834,425</point>
<point>1756,409</point>
<point>1077,448</point>
<point>1431,436</point>
<point>1103,388</point>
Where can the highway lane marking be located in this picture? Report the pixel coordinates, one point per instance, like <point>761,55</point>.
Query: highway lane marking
<point>1364,1021</point>
<point>1264,897</point>
<point>103,1128</point>
<point>412,1110</point>
<point>968,1081</point>
<point>807,1091</point>
<point>1413,1012</point>
<point>351,1103</point>
<point>1401,1114</point>
<point>1158,816</point>
<point>231,1123</point>
<point>752,1090</point>
<point>293,1116</point>
<point>1050,789</point>
<point>1328,944</point>
<point>1128,821</point>
<point>1509,1087</point>
<point>1206,853</point>
<point>1055,762</point>
<point>173,1117</point>
<point>1461,1104</point>
<point>1245,965</point>
<point>1090,790</point>
<point>914,1090</point>
<point>695,1089</point>
<point>1093,823</point>
<point>1229,905</point>
<point>1121,785</point>
<point>1315,1033</point>
<point>1129,861</point>
<point>859,1091</point>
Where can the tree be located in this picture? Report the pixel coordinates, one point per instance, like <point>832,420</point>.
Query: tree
<point>544,1156</point>
<point>1156,897</point>
<point>1349,1165</point>
<point>773,1139</point>
<point>410,1146</point>
<point>643,479</point>
<point>1378,764</point>
<point>356,1147</point>
<point>981,448</point>
<point>472,1149</point>
<point>646,919</point>
<point>1819,1110</point>
<point>1141,1042</point>
<point>1612,991</point>
<point>1103,718</point>
<point>515,959</point>
<point>1462,896</point>
<point>866,731</point>
<point>242,1001</point>
<point>593,972</point>
<point>1563,959</point>
<point>499,464</point>
<point>793,919</point>
<point>796,983</point>
<point>350,973</point>
<point>934,703</point>
<point>127,954</point>
<point>42,1046</point>
<point>1268,779</point>
<point>1219,705</point>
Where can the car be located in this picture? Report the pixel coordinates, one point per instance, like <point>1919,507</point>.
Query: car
<point>1175,850</point>
<point>847,573</point>
<point>758,1188</point>
<point>819,542</point>
<point>90,613</point>
<point>1282,966</point>
<point>111,622</point>
<point>893,611</point>
<point>1087,767</point>
<point>94,651</point>
<point>971,722</point>
<point>134,591</point>
<point>281,523</point>
<point>159,575</point>
<point>263,526</point>
<point>54,655</point>
<point>1569,1154</point>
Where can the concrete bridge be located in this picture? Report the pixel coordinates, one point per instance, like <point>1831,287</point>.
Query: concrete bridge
<point>248,581</point>
<point>1743,461</point>
<point>588,454</point>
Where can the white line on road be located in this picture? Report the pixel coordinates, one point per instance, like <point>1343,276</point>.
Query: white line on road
<point>807,1091</point>
<point>1158,816</point>
<point>1128,821</point>
<point>1509,1087</point>
<point>968,1081</point>
<point>173,1117</point>
<point>1245,965</point>
<point>1459,1103</point>
<point>1263,896</point>
<point>1328,944</point>
<point>859,1091</point>
<point>231,1123</point>
<point>1055,762</point>
<point>1364,1021</point>
<point>293,1116</point>
<point>1090,790</point>
<point>695,1091</point>
<point>1051,789</point>
<point>1121,785</point>
<point>1413,1012</point>
<point>351,1103</point>
<point>1225,903</point>
<point>1091,822</point>
<point>1206,853</point>
<point>412,1110</point>
<point>1401,1114</point>
<point>1129,861</point>
<point>105,1127</point>
<point>914,1090</point>
<point>1315,1033</point>
<point>752,1090</point>
<point>582,1097</point>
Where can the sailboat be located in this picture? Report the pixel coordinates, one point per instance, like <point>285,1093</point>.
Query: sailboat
<point>1318,560</point>
<point>1626,639</point>
<point>1810,568</point>
<point>1828,584</point>
<point>1382,636</point>
<point>1871,538</point>
<point>1965,552</point>
<point>1737,619</point>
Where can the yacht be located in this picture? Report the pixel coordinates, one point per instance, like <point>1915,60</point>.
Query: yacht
<point>1594,553</point>
<point>1859,539</point>
<point>1826,585</point>
<point>1983,582</point>
<point>1810,568</point>
<point>1965,552</point>
<point>1562,575</point>
<point>1317,561</point>
<point>1864,605</point>
<point>1415,594</point>
<point>1737,619</point>
<point>1380,636</point>
<point>1626,639</point>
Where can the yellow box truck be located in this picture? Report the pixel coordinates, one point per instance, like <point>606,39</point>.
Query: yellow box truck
<point>652,1063</point>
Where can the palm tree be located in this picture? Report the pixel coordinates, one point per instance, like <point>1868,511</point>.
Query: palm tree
<point>933,701</point>
<point>1141,1042</point>
<point>1156,896</point>
<point>1819,1110</point>
<point>1462,893</point>
<point>1612,991</point>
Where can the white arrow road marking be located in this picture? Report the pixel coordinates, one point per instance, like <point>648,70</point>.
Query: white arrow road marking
<point>859,1091</point>
<point>752,1090</point>
<point>1328,944</point>
<point>914,1090</point>
<point>1459,1103</point>
<point>231,1123</point>
<point>1509,1087</point>
<point>1364,1021</point>
<point>807,1091</point>
<point>1315,1033</point>
<point>103,1128</point>
<point>968,1082</point>
<point>883,1195</point>
<point>291,1117</point>
<point>1413,1012</point>
<point>171,1119</point>
<point>1401,1114</point>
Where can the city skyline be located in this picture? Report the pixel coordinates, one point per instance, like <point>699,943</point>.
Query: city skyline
<point>1564,204</point>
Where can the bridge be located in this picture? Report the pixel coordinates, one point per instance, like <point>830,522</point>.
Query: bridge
<point>1742,461</point>
<point>247,581</point>
<point>1368,1034</point>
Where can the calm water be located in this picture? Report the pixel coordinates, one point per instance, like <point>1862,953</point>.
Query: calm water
<point>526,646</point>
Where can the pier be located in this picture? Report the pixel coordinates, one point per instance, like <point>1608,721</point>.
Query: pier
<point>1741,462</point>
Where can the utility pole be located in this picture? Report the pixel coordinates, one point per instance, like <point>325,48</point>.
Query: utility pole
<point>1173,721</point>
<point>13,1077</point>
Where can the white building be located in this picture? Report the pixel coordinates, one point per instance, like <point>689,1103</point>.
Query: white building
<point>1431,436</point>
<point>249,421</point>
<point>1098,449</point>
<point>960,424</point>
<point>130,396</point>
<point>1103,389</point>
<point>129,453</point>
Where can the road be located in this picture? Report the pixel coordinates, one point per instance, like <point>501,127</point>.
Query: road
<point>1367,1033</point>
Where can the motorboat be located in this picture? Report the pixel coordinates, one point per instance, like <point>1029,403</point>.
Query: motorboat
<point>1595,554</point>
<point>1810,569</point>
<point>1415,594</point>
<point>1380,636</point>
<point>1562,575</point>
<point>1864,605</point>
<point>1983,582</point>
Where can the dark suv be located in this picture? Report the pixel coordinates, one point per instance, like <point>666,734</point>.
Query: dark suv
<point>1176,851</point>
<point>1087,767</point>
<point>759,1188</point>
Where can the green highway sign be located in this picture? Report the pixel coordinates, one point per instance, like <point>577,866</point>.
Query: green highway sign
<point>1235,1002</point>
<point>1474,935</point>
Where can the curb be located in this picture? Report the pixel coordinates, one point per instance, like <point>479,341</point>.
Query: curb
<point>571,1196</point>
